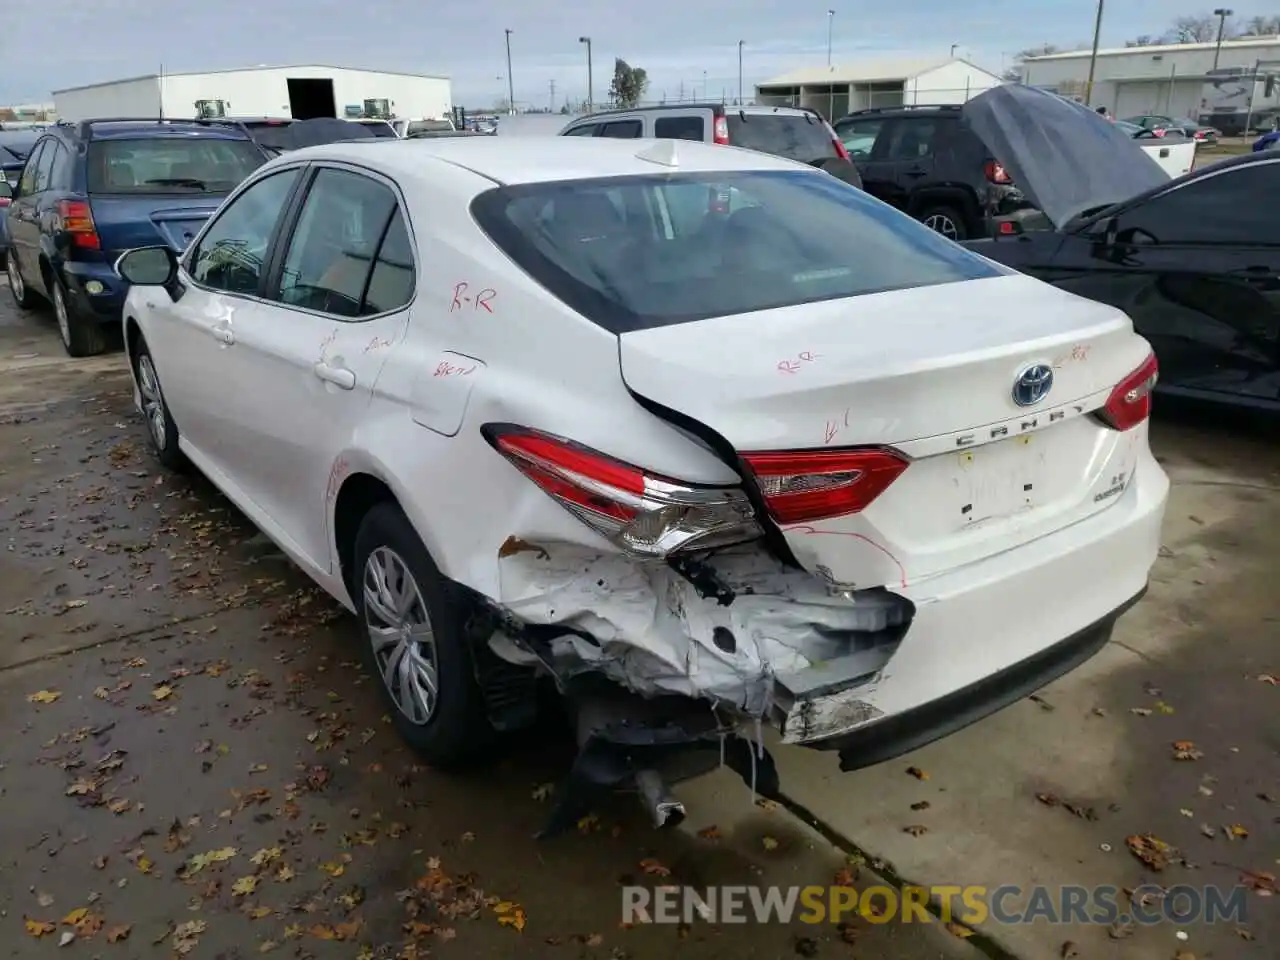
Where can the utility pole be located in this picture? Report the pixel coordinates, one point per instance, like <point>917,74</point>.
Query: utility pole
<point>1093,57</point>
<point>831,15</point>
<point>552,85</point>
<point>739,73</point>
<point>1221,13</point>
<point>511,84</point>
<point>590,80</point>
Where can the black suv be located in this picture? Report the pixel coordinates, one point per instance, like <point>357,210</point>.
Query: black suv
<point>925,161</point>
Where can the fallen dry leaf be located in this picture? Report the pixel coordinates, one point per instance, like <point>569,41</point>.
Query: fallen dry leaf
<point>1140,711</point>
<point>958,930</point>
<point>654,868</point>
<point>38,928</point>
<point>43,696</point>
<point>1068,949</point>
<point>710,833</point>
<point>543,791</point>
<point>920,805</point>
<point>162,692</point>
<point>75,916</point>
<point>1185,750</point>
<point>202,860</point>
<point>244,886</point>
<point>769,843</point>
<point>119,934</point>
<point>333,869</point>
<point>917,773</point>
<point>915,830</point>
<point>510,914</point>
<point>1153,852</point>
<point>844,878</point>
<point>1269,679</point>
<point>1264,884</point>
<point>1236,832</point>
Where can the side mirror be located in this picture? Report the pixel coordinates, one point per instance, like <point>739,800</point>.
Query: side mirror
<point>6,191</point>
<point>148,266</point>
<point>1107,232</point>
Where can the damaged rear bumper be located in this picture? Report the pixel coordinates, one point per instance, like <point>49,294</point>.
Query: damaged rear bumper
<point>894,736</point>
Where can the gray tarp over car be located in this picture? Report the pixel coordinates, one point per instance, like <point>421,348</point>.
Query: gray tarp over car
<point>322,130</point>
<point>1063,156</point>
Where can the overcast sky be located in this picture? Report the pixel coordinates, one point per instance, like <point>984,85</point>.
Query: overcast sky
<point>676,41</point>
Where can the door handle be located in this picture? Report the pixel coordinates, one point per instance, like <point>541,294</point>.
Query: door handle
<point>224,335</point>
<point>339,376</point>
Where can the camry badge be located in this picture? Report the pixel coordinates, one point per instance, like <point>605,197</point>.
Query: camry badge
<point>1033,384</point>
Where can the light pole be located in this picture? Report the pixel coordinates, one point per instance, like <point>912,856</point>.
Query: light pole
<point>590,81</point>
<point>739,73</point>
<point>511,84</point>
<point>1221,13</point>
<point>1093,57</point>
<point>704,85</point>
<point>953,50</point>
<point>831,15</point>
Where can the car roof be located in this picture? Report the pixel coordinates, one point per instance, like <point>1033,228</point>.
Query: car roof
<point>149,129</point>
<point>923,110</point>
<point>718,108</point>
<point>544,159</point>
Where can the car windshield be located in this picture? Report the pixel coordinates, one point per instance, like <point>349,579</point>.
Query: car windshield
<point>796,136</point>
<point>16,145</point>
<point>170,164</point>
<point>637,252</point>
<point>379,128</point>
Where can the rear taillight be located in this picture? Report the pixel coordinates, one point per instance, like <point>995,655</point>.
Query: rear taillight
<point>76,220</point>
<point>1159,131</point>
<point>836,142</point>
<point>4,202</point>
<point>1130,402</point>
<point>720,133</point>
<point>641,512</point>
<point>996,173</point>
<point>805,485</point>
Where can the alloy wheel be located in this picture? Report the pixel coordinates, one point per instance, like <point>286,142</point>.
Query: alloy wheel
<point>400,632</point>
<point>60,311</point>
<point>16,286</point>
<point>942,224</point>
<point>152,401</point>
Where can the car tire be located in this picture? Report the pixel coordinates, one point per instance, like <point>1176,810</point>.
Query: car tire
<point>162,432</point>
<point>22,297</point>
<point>81,336</point>
<point>947,221</point>
<point>418,633</point>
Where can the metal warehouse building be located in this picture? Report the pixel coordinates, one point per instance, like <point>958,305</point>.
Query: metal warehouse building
<point>301,92</point>
<point>1133,81</point>
<point>836,90</point>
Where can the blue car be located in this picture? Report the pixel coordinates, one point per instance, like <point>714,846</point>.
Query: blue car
<point>91,190</point>
<point>1268,141</point>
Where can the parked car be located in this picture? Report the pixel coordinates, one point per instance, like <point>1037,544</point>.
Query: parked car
<point>1268,141</point>
<point>1161,126</point>
<point>91,190</point>
<point>797,133</point>
<point>562,413</point>
<point>1194,261</point>
<point>927,162</point>
<point>379,128</point>
<point>14,147</point>
<point>405,127</point>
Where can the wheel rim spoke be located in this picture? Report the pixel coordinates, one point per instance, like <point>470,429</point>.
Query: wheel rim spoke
<point>400,634</point>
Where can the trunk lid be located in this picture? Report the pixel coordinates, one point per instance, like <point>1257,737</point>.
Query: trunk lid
<point>1064,157</point>
<point>1175,158</point>
<point>931,373</point>
<point>127,222</point>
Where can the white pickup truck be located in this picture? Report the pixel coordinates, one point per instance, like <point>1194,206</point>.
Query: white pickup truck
<point>1174,157</point>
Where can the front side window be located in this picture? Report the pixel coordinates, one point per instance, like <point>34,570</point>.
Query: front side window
<point>911,139</point>
<point>859,136</point>
<point>1216,210</point>
<point>586,130</point>
<point>170,165</point>
<point>232,253</point>
<point>631,253</point>
<point>622,129</point>
<point>332,252</point>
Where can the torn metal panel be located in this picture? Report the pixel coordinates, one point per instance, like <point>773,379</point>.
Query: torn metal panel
<point>646,626</point>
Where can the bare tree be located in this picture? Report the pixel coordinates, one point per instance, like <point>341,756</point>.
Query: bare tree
<point>1261,27</point>
<point>1193,30</point>
<point>1146,40</point>
<point>1015,73</point>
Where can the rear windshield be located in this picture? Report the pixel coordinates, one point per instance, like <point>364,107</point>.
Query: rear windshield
<point>16,146</point>
<point>170,165</point>
<point>637,252</point>
<point>795,136</point>
<point>429,126</point>
<point>380,129</point>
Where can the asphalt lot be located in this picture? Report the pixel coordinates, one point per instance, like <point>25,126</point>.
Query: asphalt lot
<point>196,764</point>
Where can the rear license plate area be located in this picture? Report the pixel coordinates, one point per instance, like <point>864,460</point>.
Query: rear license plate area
<point>998,479</point>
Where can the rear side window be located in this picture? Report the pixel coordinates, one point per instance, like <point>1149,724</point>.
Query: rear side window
<point>859,136</point>
<point>637,252</point>
<point>795,136</point>
<point>622,129</point>
<point>586,130</point>
<point>680,128</point>
<point>170,165</point>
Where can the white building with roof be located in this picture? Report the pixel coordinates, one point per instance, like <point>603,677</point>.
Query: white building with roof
<point>1165,79</point>
<point>840,88</point>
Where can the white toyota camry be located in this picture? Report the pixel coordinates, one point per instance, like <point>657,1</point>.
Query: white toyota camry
<point>707,438</point>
